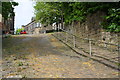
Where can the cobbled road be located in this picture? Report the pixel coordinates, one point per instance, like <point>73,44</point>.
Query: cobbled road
<point>43,56</point>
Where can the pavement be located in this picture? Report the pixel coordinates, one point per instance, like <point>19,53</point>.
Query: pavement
<point>43,56</point>
<point>106,56</point>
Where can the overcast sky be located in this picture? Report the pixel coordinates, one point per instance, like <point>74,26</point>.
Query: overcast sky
<point>23,12</point>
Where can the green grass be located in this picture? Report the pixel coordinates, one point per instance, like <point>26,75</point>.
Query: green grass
<point>20,63</point>
<point>118,64</point>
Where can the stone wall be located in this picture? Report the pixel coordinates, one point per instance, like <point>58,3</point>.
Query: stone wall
<point>37,30</point>
<point>91,29</point>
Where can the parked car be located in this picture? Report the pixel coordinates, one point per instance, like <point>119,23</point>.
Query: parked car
<point>23,32</point>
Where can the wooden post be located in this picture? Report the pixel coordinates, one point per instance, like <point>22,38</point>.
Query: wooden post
<point>57,30</point>
<point>118,49</point>
<point>74,45</point>
<point>90,47</point>
<point>66,37</point>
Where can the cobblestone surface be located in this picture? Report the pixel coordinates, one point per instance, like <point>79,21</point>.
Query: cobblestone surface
<point>43,56</point>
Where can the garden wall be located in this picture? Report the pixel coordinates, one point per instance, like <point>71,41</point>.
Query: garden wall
<point>92,29</point>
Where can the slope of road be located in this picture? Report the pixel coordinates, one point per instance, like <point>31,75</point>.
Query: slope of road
<point>43,56</point>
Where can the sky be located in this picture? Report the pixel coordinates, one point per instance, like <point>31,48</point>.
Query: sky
<point>23,13</point>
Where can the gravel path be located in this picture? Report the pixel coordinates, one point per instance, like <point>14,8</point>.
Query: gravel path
<point>43,56</point>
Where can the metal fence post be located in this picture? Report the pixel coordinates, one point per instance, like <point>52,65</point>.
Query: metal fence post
<point>90,47</point>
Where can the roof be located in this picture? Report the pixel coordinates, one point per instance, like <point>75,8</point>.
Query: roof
<point>30,23</point>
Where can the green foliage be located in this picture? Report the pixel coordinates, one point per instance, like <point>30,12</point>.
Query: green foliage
<point>8,36</point>
<point>0,7</point>
<point>19,30</point>
<point>46,13</point>
<point>113,20</point>
<point>20,63</point>
<point>118,64</point>
<point>8,9</point>
<point>55,12</point>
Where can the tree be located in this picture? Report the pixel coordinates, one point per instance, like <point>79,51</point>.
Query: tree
<point>8,9</point>
<point>113,20</point>
<point>0,7</point>
<point>19,30</point>
<point>59,12</point>
<point>46,13</point>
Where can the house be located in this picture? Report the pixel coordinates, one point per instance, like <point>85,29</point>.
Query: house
<point>35,27</point>
<point>8,25</point>
<point>0,24</point>
<point>31,27</point>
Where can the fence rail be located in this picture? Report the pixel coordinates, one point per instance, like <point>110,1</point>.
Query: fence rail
<point>86,43</point>
<point>103,52</point>
<point>89,39</point>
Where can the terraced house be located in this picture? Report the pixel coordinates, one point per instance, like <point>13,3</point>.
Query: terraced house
<point>35,27</point>
<point>8,17</point>
<point>8,25</point>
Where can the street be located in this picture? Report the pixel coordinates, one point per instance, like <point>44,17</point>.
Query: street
<point>43,56</point>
